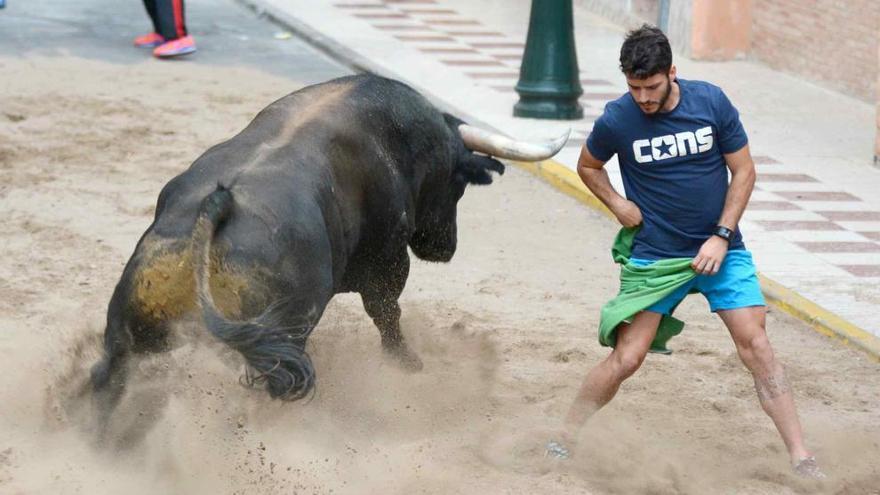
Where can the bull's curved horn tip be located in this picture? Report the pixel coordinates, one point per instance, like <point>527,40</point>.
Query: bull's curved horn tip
<point>501,146</point>
<point>559,142</point>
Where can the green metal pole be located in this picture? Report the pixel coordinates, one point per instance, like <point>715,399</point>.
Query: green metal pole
<point>549,81</point>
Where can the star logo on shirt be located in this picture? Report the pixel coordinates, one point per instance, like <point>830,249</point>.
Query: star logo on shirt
<point>663,148</point>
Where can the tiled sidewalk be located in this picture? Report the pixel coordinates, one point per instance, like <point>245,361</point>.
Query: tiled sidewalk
<point>814,219</point>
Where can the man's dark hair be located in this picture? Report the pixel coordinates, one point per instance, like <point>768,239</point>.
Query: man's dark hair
<point>645,52</point>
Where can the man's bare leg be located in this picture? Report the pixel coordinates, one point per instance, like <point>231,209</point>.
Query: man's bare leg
<point>746,326</point>
<point>602,382</point>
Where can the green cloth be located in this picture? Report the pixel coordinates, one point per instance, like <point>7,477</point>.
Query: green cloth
<point>640,288</point>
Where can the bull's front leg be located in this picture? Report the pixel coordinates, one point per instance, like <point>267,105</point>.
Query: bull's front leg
<point>380,301</point>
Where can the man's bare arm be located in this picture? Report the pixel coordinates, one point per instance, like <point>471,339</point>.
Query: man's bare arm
<point>594,176</point>
<point>742,182</point>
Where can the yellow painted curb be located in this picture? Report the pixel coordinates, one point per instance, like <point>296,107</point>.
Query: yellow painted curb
<point>567,181</point>
<point>819,318</point>
<point>781,297</point>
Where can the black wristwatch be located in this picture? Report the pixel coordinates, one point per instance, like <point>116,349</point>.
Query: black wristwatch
<point>723,232</point>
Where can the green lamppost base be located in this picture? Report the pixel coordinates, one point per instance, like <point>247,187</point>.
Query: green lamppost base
<point>549,80</point>
<point>548,108</point>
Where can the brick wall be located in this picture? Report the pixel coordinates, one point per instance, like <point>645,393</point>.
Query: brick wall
<point>832,42</point>
<point>633,13</point>
<point>628,13</point>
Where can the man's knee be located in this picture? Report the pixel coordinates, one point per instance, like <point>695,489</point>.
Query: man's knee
<point>756,350</point>
<point>626,362</point>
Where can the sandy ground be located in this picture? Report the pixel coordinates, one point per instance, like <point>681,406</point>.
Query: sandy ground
<point>507,331</point>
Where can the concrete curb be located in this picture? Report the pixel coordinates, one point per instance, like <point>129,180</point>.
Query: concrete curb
<point>567,181</point>
<point>820,319</point>
<point>328,46</point>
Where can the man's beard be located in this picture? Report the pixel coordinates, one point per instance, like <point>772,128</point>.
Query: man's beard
<point>664,99</point>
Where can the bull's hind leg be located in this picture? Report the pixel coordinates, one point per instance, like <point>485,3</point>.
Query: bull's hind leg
<point>380,301</point>
<point>110,373</point>
<point>126,334</point>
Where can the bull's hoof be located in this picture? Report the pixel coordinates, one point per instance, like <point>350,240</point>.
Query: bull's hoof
<point>405,359</point>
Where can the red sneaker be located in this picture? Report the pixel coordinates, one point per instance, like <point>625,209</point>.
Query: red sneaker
<point>174,48</point>
<point>149,40</point>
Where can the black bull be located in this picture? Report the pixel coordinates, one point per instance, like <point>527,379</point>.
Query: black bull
<point>320,194</point>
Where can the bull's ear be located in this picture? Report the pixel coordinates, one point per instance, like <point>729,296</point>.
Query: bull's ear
<point>453,122</point>
<point>474,169</point>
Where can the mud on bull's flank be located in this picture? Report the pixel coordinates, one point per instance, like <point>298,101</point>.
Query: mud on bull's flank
<point>164,288</point>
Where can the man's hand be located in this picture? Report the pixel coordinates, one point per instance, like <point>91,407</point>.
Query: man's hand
<point>628,214</point>
<point>712,253</point>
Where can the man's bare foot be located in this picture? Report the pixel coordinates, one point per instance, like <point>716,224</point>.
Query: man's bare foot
<point>809,468</point>
<point>556,450</point>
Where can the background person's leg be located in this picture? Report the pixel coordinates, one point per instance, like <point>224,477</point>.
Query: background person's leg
<point>171,19</point>
<point>171,23</point>
<point>150,5</point>
<point>153,38</point>
<point>746,326</point>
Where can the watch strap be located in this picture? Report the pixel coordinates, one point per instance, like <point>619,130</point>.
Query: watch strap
<point>723,232</point>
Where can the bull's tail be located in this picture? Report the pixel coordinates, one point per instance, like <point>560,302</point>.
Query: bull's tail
<point>275,353</point>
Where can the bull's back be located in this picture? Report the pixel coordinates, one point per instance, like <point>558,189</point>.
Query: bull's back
<point>315,139</point>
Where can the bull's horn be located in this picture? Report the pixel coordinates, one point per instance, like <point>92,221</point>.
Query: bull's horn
<point>501,146</point>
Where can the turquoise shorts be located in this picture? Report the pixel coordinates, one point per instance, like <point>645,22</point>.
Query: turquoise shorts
<point>734,286</point>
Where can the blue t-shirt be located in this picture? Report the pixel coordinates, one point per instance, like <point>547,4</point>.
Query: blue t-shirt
<point>673,166</point>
